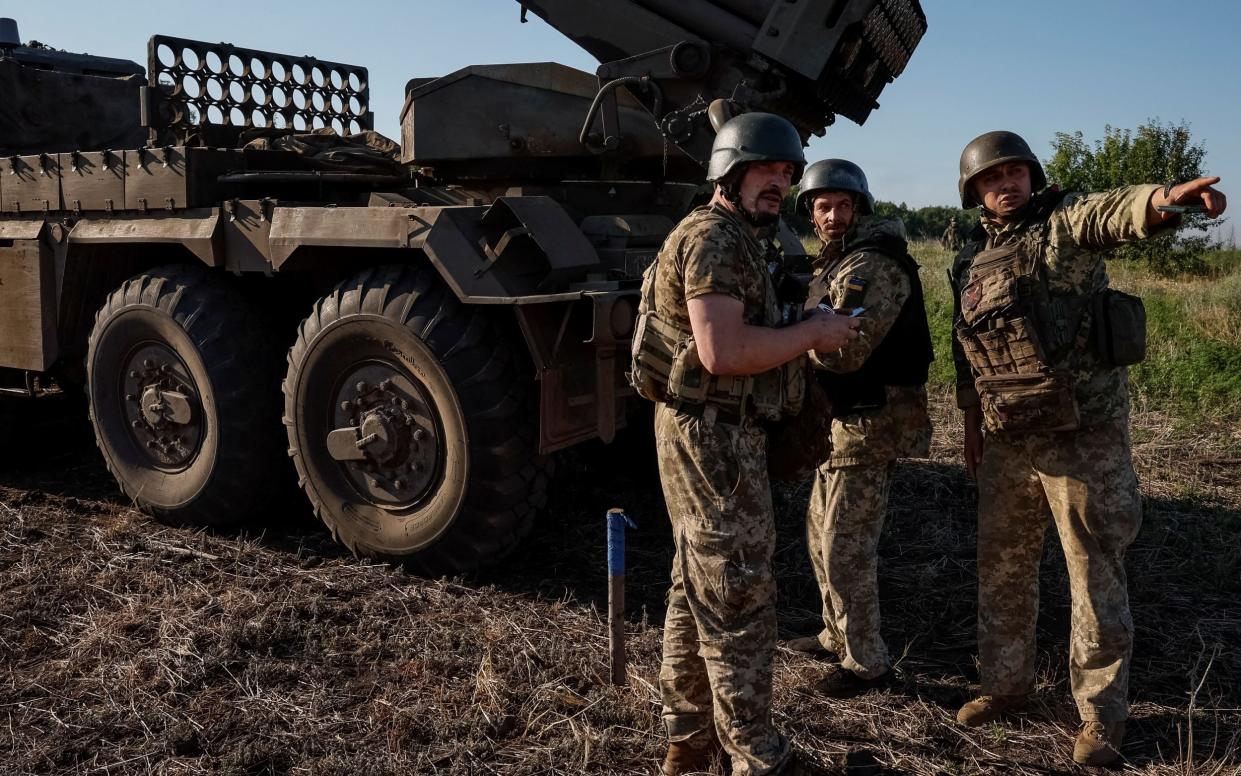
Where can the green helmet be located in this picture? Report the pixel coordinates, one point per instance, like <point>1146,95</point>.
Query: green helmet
<point>836,175</point>
<point>755,137</point>
<point>989,150</point>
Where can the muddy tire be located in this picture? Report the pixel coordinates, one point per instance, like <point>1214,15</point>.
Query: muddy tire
<point>183,379</point>
<point>411,421</point>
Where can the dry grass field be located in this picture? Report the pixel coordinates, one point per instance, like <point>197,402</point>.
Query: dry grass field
<point>127,647</point>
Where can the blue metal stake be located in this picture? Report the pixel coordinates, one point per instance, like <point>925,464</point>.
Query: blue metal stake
<point>617,522</point>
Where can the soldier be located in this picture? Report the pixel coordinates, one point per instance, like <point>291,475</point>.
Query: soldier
<point>1041,347</point>
<point>708,351</point>
<point>951,239</point>
<point>877,385</point>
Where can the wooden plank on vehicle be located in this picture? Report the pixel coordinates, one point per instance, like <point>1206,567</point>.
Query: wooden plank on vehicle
<point>93,180</point>
<point>27,305</point>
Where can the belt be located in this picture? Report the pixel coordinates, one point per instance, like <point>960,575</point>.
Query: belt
<point>694,410</point>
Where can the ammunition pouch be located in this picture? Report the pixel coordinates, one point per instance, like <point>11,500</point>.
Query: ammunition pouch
<point>1119,330</point>
<point>665,366</point>
<point>1028,402</point>
<point>650,361</point>
<point>769,395</point>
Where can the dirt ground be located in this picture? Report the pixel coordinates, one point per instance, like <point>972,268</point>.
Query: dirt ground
<point>128,647</point>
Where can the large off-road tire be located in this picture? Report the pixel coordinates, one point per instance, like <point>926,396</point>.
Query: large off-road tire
<point>433,458</point>
<point>184,385</point>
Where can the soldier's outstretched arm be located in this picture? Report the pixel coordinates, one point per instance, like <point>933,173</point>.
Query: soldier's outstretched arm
<point>1196,192</point>
<point>727,345</point>
<point>1105,219</point>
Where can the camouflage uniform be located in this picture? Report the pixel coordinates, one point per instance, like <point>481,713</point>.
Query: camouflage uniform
<point>1085,476</point>
<point>720,629</point>
<point>849,499</point>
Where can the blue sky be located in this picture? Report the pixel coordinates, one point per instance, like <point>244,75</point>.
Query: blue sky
<point>1033,67</point>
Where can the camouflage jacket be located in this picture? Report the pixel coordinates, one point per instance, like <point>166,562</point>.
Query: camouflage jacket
<point>1079,231</point>
<point>713,252</point>
<point>901,428</point>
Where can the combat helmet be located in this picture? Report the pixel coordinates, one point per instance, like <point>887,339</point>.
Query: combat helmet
<point>836,175</point>
<point>994,148</point>
<point>755,137</point>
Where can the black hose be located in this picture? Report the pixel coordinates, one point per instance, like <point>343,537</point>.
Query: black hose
<point>645,82</point>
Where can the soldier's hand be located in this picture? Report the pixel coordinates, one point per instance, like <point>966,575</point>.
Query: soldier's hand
<point>1195,192</point>
<point>831,331</point>
<point>973,440</point>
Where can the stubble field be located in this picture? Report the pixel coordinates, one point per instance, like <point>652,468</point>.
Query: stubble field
<point>127,647</point>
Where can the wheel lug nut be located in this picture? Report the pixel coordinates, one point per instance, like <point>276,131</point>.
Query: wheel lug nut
<point>148,363</point>
<point>399,484</point>
<point>415,467</point>
<point>133,373</point>
<point>346,406</point>
<point>131,397</point>
<point>420,435</point>
<point>385,384</point>
<point>151,444</point>
<point>362,386</point>
<point>136,424</point>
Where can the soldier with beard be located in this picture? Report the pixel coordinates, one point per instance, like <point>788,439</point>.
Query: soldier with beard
<point>877,385</point>
<point>708,351</point>
<point>1041,348</point>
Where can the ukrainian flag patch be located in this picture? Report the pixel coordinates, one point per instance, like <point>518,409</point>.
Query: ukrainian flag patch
<point>855,291</point>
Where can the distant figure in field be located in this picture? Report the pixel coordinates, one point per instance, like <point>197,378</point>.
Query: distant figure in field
<point>951,238</point>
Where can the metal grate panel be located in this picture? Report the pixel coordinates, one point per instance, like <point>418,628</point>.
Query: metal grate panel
<point>893,30</point>
<point>217,84</point>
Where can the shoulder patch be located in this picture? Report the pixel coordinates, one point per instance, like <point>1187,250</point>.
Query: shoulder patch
<point>855,292</point>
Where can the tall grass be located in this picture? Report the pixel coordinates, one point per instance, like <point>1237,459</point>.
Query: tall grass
<point>1193,363</point>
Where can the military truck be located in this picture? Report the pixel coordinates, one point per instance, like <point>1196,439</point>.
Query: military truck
<point>236,271</point>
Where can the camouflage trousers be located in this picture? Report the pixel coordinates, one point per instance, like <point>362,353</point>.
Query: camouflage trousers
<point>720,629</point>
<point>848,505</point>
<point>1086,478</point>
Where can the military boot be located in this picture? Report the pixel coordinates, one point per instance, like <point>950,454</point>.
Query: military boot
<point>810,645</point>
<point>1098,743</point>
<point>987,708</point>
<point>693,755</point>
<point>840,682</point>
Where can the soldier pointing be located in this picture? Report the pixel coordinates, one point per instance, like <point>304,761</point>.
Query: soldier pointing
<point>1041,349</point>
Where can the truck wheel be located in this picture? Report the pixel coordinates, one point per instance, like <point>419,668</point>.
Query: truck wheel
<point>183,380</point>
<point>412,425</point>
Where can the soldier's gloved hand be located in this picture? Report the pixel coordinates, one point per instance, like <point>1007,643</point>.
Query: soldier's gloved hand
<point>831,331</point>
<point>1195,192</point>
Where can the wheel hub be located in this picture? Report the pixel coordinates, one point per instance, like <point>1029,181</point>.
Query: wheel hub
<point>385,436</point>
<point>161,406</point>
